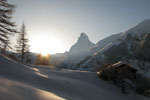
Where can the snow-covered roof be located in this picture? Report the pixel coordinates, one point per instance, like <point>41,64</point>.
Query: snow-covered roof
<point>121,63</point>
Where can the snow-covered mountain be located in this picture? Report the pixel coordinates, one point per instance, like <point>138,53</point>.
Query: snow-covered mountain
<point>82,45</point>
<point>107,42</point>
<point>80,50</point>
<point>85,55</point>
<point>120,46</point>
<point>140,29</point>
<point>137,31</point>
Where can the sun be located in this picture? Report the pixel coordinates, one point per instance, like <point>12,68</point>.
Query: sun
<point>46,44</point>
<point>44,53</point>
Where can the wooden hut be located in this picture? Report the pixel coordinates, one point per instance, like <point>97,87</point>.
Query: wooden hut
<point>123,66</point>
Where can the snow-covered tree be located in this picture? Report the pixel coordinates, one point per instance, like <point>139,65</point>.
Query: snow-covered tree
<point>7,27</point>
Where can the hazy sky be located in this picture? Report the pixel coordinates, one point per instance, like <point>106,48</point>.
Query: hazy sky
<point>62,21</point>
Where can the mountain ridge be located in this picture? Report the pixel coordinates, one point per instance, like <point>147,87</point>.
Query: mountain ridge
<point>116,45</point>
<point>120,46</point>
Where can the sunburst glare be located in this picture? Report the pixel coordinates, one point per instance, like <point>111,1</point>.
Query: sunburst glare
<point>46,44</point>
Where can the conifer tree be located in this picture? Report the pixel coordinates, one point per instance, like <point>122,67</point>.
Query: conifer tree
<point>7,27</point>
<point>22,47</point>
<point>28,60</point>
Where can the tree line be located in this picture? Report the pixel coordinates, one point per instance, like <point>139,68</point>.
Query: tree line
<point>8,29</point>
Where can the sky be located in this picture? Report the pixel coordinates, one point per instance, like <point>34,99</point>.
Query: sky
<point>53,26</point>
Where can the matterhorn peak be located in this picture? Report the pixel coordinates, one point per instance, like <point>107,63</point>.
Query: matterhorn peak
<point>83,38</point>
<point>83,44</point>
<point>83,35</point>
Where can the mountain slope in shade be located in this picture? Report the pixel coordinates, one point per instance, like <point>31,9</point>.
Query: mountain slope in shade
<point>140,29</point>
<point>143,49</point>
<point>20,82</point>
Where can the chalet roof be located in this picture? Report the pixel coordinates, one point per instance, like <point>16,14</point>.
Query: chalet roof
<point>123,63</point>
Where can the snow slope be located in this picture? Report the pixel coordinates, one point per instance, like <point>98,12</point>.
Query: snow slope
<point>140,29</point>
<point>20,82</point>
<point>105,42</point>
